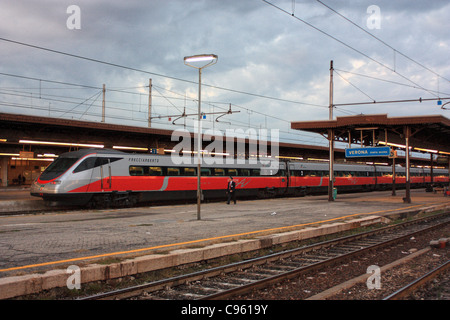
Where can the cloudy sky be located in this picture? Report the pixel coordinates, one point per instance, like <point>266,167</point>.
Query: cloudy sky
<point>273,66</point>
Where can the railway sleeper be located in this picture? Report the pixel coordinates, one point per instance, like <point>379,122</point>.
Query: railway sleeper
<point>221,285</point>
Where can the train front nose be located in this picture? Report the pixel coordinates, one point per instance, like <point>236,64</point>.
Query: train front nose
<point>36,188</point>
<point>40,189</point>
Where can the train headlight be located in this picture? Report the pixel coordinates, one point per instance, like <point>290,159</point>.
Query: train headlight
<point>56,182</point>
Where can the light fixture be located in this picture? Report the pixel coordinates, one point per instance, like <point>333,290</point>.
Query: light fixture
<point>212,58</point>
<point>47,155</point>
<point>33,159</point>
<point>51,143</point>
<point>426,150</point>
<point>200,58</point>
<point>10,154</point>
<point>130,148</point>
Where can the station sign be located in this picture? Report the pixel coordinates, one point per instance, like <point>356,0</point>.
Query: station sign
<point>156,151</point>
<point>26,154</point>
<point>368,152</point>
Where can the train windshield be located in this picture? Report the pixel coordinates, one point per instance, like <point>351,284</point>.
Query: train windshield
<point>57,168</point>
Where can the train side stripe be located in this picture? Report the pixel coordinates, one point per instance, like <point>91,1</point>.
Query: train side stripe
<point>165,184</point>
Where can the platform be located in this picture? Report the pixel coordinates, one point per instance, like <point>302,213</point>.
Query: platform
<point>18,199</point>
<point>148,238</point>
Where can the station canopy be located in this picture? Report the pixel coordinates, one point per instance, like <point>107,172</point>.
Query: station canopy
<point>428,133</point>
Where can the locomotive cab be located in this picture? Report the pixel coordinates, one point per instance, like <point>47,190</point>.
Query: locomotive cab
<point>65,181</point>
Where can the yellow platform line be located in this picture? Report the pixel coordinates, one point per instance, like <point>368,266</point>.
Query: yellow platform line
<point>201,240</point>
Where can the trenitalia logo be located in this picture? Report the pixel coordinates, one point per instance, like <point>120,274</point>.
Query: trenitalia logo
<point>242,147</point>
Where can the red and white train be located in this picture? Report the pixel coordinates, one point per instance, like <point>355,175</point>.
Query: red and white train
<point>100,177</point>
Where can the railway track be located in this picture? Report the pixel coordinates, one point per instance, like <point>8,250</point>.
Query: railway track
<point>414,285</point>
<point>239,278</point>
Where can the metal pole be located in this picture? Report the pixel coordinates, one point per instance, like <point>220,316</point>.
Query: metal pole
<point>331,91</point>
<point>431,168</point>
<point>199,144</point>
<point>149,103</point>
<point>331,165</point>
<point>393,176</point>
<point>407,198</point>
<point>103,103</point>
<point>331,139</point>
<point>212,58</point>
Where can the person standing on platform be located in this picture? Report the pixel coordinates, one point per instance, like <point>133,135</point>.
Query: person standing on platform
<point>231,192</point>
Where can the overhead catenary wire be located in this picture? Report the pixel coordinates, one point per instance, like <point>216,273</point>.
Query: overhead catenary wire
<point>346,80</point>
<point>395,51</point>
<point>344,44</point>
<point>151,73</point>
<point>81,101</point>
<point>388,81</point>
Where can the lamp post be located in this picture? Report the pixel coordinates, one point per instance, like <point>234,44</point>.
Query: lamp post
<point>205,60</point>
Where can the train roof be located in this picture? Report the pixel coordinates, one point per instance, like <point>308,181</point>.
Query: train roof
<point>282,165</point>
<point>83,152</point>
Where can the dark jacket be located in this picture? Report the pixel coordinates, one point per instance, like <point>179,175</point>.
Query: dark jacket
<point>231,186</point>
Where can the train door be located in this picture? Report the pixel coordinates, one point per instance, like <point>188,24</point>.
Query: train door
<point>284,182</point>
<point>105,174</point>
<point>101,175</point>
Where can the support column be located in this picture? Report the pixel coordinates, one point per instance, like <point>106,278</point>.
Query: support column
<point>431,168</point>
<point>331,139</point>
<point>4,171</point>
<point>331,165</point>
<point>393,176</point>
<point>407,198</point>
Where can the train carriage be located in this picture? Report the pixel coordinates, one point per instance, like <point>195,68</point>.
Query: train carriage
<point>99,177</point>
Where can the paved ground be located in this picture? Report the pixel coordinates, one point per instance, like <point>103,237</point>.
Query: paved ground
<point>46,238</point>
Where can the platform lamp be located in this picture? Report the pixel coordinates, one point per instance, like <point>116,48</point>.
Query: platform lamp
<point>203,60</point>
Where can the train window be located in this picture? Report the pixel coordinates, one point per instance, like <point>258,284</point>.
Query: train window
<point>298,173</point>
<point>313,173</point>
<point>281,173</point>
<point>102,161</point>
<point>86,164</point>
<point>255,172</point>
<point>232,172</point>
<point>244,172</point>
<point>94,162</point>
<point>57,167</point>
<point>173,171</point>
<point>155,171</point>
<point>205,172</point>
<point>219,172</point>
<point>190,172</point>
<point>136,171</point>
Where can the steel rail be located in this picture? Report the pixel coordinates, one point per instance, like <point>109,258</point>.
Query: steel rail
<point>212,272</point>
<point>302,270</point>
<point>414,285</point>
